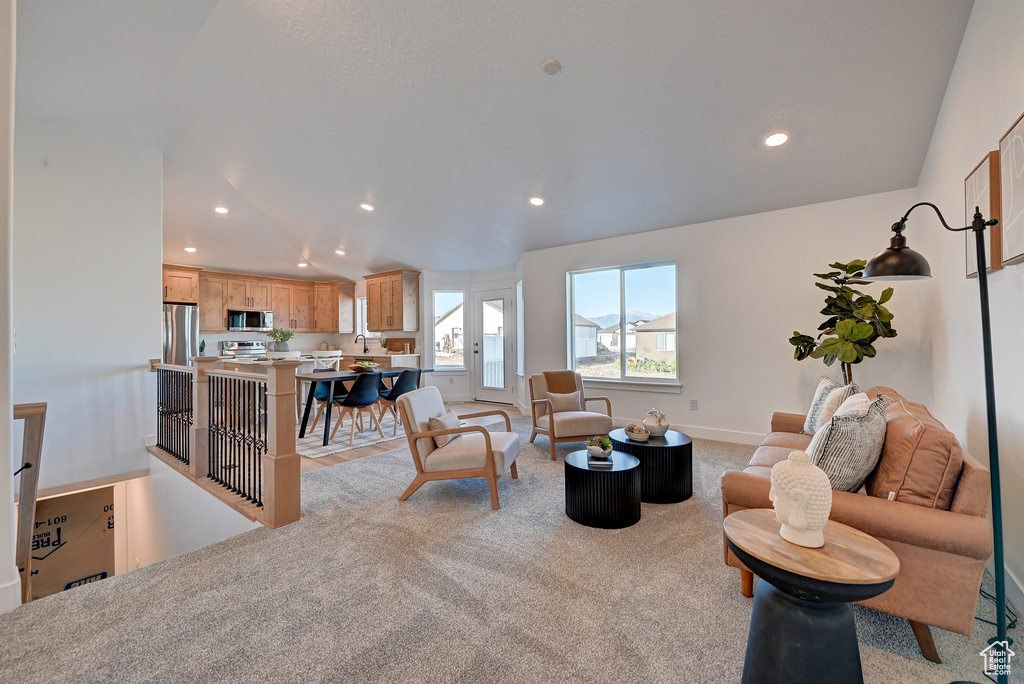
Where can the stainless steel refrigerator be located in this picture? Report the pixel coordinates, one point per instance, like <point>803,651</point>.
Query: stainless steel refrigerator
<point>181,333</point>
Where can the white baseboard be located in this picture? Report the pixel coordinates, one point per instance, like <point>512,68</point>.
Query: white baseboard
<point>1014,587</point>
<point>734,436</point>
<point>10,594</point>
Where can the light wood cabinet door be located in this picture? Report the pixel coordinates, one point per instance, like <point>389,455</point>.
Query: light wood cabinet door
<point>325,307</point>
<point>282,305</point>
<point>302,308</point>
<point>373,304</point>
<point>260,295</point>
<point>212,304</point>
<point>392,301</point>
<point>181,287</point>
<point>238,294</point>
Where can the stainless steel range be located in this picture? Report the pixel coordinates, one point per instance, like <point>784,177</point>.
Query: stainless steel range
<point>243,349</point>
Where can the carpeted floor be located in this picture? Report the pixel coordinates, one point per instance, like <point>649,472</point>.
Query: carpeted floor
<point>439,589</point>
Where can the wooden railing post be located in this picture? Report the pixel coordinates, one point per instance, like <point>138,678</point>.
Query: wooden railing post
<point>281,500</point>
<point>199,434</point>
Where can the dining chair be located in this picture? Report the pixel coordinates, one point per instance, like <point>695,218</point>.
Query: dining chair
<point>327,359</point>
<point>360,399</point>
<point>323,392</point>
<point>406,382</point>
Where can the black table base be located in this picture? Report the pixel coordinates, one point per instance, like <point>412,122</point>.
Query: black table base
<point>802,629</point>
<point>609,499</point>
<point>666,465</point>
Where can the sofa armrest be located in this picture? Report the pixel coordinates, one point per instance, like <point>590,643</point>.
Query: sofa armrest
<point>963,535</point>
<point>787,422</point>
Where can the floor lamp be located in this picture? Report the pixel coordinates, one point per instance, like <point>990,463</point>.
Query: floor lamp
<point>899,262</point>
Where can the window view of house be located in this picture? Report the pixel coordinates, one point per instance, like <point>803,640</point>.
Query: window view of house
<point>449,328</point>
<point>624,322</point>
<point>361,319</point>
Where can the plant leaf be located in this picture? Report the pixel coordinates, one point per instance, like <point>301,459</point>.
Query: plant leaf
<point>886,295</point>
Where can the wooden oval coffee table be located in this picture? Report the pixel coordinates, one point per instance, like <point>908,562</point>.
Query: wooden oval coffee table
<point>802,628</point>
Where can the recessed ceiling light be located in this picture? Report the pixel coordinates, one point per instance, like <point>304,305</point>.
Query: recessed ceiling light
<point>303,264</point>
<point>776,139</point>
<point>221,210</point>
<point>536,201</point>
<point>366,206</point>
<point>552,67</point>
<point>340,251</point>
<point>190,249</point>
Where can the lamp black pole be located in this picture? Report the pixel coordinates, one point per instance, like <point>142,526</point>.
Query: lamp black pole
<point>899,262</point>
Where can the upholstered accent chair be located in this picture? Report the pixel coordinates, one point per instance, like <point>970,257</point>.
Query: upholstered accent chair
<point>469,451</point>
<point>559,409</point>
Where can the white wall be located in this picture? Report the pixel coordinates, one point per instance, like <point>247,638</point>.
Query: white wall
<point>984,97</point>
<point>743,286</point>
<point>10,583</point>
<point>87,296</point>
<point>171,515</point>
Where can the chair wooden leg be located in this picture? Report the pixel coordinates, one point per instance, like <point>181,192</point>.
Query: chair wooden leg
<point>515,473</point>
<point>533,435</point>
<point>416,484</point>
<point>494,493</point>
<point>747,580</point>
<point>924,640</point>
<point>373,418</point>
<point>553,457</point>
<point>319,410</point>
<point>345,410</point>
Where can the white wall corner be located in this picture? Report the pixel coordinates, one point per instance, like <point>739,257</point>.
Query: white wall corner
<point>10,594</point>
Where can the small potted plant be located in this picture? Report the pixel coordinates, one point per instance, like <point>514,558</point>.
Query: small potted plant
<point>384,343</point>
<point>599,447</point>
<point>280,337</point>
<point>202,348</point>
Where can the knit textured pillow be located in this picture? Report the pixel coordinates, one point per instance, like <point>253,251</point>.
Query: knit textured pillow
<point>827,398</point>
<point>447,421</point>
<point>564,402</point>
<point>848,446</point>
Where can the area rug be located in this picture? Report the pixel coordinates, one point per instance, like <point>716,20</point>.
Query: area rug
<point>312,445</point>
<point>440,588</point>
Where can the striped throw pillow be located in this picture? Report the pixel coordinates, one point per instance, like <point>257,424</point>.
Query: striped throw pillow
<point>848,446</point>
<point>827,398</point>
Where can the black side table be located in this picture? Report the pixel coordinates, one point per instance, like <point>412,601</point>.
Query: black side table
<point>608,498</point>
<point>666,465</point>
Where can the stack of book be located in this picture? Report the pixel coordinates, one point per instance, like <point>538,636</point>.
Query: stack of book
<point>599,463</point>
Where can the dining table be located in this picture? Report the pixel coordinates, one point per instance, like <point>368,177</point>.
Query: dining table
<point>332,377</point>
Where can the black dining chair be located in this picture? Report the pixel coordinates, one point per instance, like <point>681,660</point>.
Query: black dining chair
<point>360,399</point>
<point>407,381</point>
<point>322,392</point>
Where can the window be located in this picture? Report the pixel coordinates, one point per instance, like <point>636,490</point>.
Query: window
<point>449,329</point>
<point>624,322</point>
<point>361,319</point>
<point>520,334</point>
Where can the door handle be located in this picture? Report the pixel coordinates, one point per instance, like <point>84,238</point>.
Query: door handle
<point>165,292</point>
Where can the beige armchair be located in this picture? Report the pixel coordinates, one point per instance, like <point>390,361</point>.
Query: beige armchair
<point>560,422</point>
<point>474,452</point>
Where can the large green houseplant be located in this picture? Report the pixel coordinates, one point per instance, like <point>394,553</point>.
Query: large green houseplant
<point>854,320</point>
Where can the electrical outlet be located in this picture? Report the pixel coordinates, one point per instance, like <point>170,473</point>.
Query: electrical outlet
<point>136,563</point>
<point>451,381</point>
<point>693,404</point>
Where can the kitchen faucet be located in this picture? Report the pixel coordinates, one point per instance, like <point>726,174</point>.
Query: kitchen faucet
<point>365,348</point>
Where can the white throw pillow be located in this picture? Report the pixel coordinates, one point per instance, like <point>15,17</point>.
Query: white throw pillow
<point>828,397</point>
<point>564,402</point>
<point>447,421</point>
<point>848,446</point>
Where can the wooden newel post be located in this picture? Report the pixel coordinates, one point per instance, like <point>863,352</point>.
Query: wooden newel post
<point>199,433</point>
<point>281,500</point>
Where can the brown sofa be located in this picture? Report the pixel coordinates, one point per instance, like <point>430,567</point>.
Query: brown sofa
<point>926,500</point>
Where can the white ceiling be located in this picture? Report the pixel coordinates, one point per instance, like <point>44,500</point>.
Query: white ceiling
<point>291,112</point>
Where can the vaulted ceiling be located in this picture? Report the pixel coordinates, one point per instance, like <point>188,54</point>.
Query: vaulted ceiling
<point>293,112</point>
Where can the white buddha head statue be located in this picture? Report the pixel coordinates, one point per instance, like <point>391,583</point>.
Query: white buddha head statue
<point>802,496</point>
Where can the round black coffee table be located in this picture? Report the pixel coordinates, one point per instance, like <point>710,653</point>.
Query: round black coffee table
<point>666,465</point>
<point>608,498</point>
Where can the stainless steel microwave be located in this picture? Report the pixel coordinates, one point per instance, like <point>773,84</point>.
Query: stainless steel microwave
<point>250,321</point>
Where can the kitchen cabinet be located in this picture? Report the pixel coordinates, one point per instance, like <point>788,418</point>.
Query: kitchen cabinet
<point>302,308</point>
<point>213,299</point>
<point>181,284</point>
<point>282,307</point>
<point>249,294</point>
<point>392,301</point>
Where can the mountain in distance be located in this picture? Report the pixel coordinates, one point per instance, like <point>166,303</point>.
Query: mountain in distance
<point>613,318</point>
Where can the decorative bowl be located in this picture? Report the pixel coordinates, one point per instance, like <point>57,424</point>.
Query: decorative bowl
<point>598,452</point>
<point>640,435</point>
<point>359,368</point>
<point>657,430</point>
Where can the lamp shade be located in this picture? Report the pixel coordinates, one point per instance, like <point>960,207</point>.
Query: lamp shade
<point>898,262</point>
